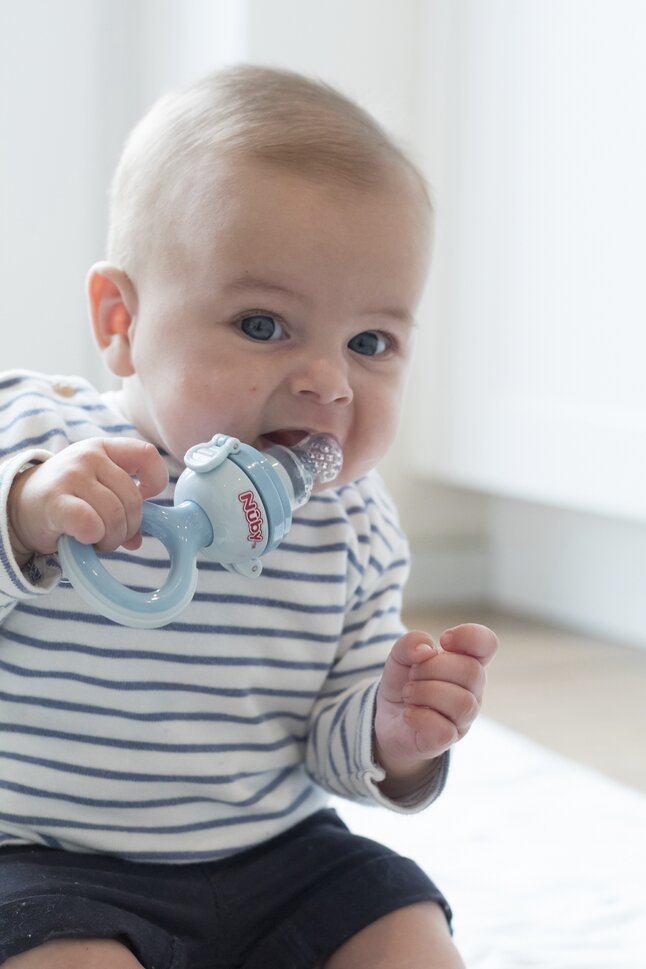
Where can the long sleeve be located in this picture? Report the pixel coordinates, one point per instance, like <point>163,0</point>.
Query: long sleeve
<point>39,415</point>
<point>340,742</point>
<point>42,572</point>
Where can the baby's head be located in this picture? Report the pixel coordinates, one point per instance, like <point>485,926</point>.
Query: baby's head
<point>268,247</point>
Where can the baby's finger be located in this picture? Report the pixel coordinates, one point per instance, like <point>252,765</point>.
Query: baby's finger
<point>119,522</point>
<point>76,517</point>
<point>413,648</point>
<point>455,668</point>
<point>409,650</point>
<point>452,702</point>
<point>433,733</point>
<point>121,509</point>
<point>140,459</point>
<point>473,639</point>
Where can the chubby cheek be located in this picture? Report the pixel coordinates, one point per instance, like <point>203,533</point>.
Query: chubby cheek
<point>183,422</point>
<point>371,438</point>
<point>200,413</point>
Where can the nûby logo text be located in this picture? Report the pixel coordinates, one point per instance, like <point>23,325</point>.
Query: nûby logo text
<point>253,515</point>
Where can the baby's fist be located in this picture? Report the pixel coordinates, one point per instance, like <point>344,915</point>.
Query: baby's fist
<point>87,491</point>
<point>429,695</point>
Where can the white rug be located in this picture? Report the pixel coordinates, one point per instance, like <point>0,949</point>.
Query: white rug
<point>542,860</point>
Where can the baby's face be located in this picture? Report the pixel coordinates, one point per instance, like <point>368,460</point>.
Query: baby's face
<point>292,313</point>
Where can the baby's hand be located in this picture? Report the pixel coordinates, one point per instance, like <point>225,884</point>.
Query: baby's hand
<point>85,491</point>
<point>428,698</point>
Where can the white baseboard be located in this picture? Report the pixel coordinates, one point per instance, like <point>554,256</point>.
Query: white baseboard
<point>580,571</point>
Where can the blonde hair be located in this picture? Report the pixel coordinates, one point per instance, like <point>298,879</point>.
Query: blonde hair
<point>278,116</point>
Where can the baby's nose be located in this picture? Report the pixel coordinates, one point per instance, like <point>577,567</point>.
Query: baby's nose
<point>323,380</point>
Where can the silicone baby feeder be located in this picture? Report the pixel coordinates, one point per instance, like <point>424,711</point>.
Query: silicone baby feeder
<point>232,503</point>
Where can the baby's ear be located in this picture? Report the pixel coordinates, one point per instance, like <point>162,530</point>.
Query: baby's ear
<point>113,306</point>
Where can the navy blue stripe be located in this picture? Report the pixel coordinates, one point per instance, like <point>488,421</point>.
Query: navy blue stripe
<point>36,821</point>
<point>28,413</point>
<point>338,725</point>
<point>347,788</point>
<point>353,627</point>
<point>35,411</point>
<point>377,531</point>
<point>215,598</point>
<point>155,685</point>
<point>394,586</point>
<point>320,523</point>
<point>146,803</point>
<point>186,658</point>
<point>32,441</point>
<point>199,856</point>
<point>388,637</point>
<point>357,672</point>
<point>137,777</point>
<point>96,741</point>
<point>317,578</point>
<point>322,549</point>
<point>11,382</point>
<point>158,717</point>
<point>255,632</point>
<point>378,594</point>
<point>108,428</point>
<point>362,710</point>
<point>267,603</point>
<point>378,566</point>
<point>267,572</point>
<point>15,581</point>
<point>58,402</point>
<point>352,558</point>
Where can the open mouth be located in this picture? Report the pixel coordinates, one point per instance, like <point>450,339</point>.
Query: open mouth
<point>286,437</point>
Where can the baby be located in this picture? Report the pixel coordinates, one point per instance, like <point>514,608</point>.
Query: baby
<point>164,793</point>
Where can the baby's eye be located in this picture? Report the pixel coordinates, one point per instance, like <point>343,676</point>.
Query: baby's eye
<point>262,326</point>
<point>369,343</point>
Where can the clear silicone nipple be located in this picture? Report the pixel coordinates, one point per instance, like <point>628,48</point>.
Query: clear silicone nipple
<point>317,459</point>
<point>322,455</point>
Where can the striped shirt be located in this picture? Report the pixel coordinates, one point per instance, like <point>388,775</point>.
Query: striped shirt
<point>216,732</point>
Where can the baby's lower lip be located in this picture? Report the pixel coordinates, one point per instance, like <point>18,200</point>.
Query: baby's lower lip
<point>288,438</point>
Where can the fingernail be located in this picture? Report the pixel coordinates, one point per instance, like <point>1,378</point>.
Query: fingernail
<point>425,650</point>
<point>447,637</point>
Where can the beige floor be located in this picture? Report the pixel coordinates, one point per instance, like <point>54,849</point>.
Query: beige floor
<point>581,697</point>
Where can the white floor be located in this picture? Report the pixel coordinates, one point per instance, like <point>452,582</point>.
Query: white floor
<point>542,859</point>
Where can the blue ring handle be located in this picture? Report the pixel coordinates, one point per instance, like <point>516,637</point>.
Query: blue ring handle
<point>183,530</point>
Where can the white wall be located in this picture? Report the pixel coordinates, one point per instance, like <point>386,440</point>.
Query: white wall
<point>534,391</point>
<point>538,147</point>
<point>50,143</point>
<point>75,75</point>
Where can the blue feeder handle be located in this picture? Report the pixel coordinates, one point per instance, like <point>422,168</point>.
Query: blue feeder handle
<point>233,503</point>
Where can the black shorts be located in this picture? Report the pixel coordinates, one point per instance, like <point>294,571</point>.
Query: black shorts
<point>286,904</point>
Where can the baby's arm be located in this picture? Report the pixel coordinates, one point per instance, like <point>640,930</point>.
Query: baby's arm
<point>427,700</point>
<point>85,491</point>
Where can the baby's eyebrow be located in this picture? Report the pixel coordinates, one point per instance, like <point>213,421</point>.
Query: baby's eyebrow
<point>246,282</point>
<point>393,313</point>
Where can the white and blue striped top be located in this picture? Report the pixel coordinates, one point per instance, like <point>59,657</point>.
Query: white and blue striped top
<point>220,730</point>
